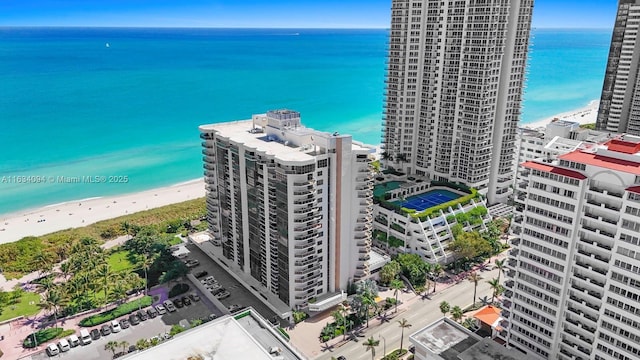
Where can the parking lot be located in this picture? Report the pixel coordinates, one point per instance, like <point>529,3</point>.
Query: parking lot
<point>145,330</point>
<point>239,295</point>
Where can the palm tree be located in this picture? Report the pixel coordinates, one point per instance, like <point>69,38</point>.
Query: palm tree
<point>396,285</point>
<point>437,271</point>
<point>43,262</point>
<point>404,323</point>
<point>124,345</point>
<point>337,316</point>
<point>103,272</point>
<point>368,301</point>
<point>142,344</point>
<point>66,270</point>
<point>52,300</point>
<point>496,287</point>
<point>474,277</point>
<point>112,346</point>
<point>456,313</point>
<point>499,266</point>
<point>444,308</point>
<point>371,344</point>
<point>147,261</point>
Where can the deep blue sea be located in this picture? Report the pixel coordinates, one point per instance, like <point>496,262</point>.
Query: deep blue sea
<point>128,102</point>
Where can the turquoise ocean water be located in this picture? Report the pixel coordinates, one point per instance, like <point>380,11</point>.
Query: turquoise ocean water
<point>128,102</point>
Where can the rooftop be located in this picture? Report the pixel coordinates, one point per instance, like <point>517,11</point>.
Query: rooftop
<point>444,338</point>
<point>487,349</point>
<point>222,339</point>
<point>488,315</point>
<point>590,158</point>
<point>554,169</point>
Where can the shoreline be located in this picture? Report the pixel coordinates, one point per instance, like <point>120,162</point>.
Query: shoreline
<point>77,213</point>
<point>585,115</point>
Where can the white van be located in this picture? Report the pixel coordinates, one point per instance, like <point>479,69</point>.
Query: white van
<point>85,338</point>
<point>73,340</point>
<point>63,344</point>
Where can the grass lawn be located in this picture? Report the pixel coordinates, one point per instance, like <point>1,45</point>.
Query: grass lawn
<point>175,241</point>
<point>119,261</point>
<point>23,307</point>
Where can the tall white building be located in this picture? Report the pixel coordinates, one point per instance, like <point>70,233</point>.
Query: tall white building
<point>572,289</point>
<point>454,88</point>
<point>620,101</point>
<point>291,206</point>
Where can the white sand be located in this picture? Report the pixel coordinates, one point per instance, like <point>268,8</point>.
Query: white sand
<point>79,213</point>
<point>585,115</point>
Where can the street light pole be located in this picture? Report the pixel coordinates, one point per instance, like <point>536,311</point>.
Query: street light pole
<point>384,345</point>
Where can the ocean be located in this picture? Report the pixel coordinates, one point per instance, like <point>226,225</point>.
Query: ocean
<point>117,102</point>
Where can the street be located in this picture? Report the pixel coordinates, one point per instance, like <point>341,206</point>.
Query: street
<point>418,312</point>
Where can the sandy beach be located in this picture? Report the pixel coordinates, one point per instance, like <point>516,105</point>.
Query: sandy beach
<point>78,213</point>
<point>584,115</point>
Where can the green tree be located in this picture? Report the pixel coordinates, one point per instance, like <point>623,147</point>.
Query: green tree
<point>142,344</point>
<point>52,300</point>
<point>338,318</point>
<point>444,308</point>
<point>474,277</point>
<point>396,286</point>
<point>111,346</point>
<point>436,270</point>
<point>404,324</point>
<point>389,272</point>
<point>124,345</point>
<point>496,287</point>
<point>456,313</point>
<point>369,302</point>
<point>500,267</point>
<point>103,272</point>
<point>371,344</point>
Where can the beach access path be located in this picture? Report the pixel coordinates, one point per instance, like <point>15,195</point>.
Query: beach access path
<point>72,214</point>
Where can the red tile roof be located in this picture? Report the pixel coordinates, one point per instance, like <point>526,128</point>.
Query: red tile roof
<point>488,315</point>
<point>603,162</point>
<point>622,146</point>
<point>634,189</point>
<point>554,170</point>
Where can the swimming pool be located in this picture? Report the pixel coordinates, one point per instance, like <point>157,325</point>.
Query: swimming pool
<point>382,188</point>
<point>428,199</point>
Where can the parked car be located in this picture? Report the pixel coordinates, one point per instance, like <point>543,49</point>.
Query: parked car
<point>222,295</point>
<point>63,344</point>
<point>124,323</point>
<point>95,335</point>
<point>194,297</point>
<point>52,349</point>
<point>161,309</point>
<point>186,300</point>
<point>168,304</point>
<point>217,291</point>
<point>209,279</point>
<point>142,315</point>
<point>105,330</point>
<point>74,340</point>
<point>134,320</point>
<point>178,303</point>
<point>234,307</point>
<point>115,326</point>
<point>192,263</point>
<point>132,348</point>
<point>152,312</point>
<point>342,357</point>
<point>85,337</point>
<point>200,274</point>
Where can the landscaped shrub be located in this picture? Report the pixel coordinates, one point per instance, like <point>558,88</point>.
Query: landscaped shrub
<point>42,336</point>
<point>284,333</point>
<point>178,290</point>
<point>112,314</point>
<point>299,316</point>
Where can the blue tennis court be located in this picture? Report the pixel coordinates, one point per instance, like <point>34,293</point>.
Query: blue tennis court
<point>429,199</point>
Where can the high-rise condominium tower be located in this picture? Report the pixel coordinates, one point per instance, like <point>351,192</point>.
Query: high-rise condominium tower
<point>620,102</point>
<point>454,88</point>
<point>572,289</point>
<point>291,207</point>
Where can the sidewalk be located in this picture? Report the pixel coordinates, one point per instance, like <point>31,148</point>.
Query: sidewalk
<point>305,335</point>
